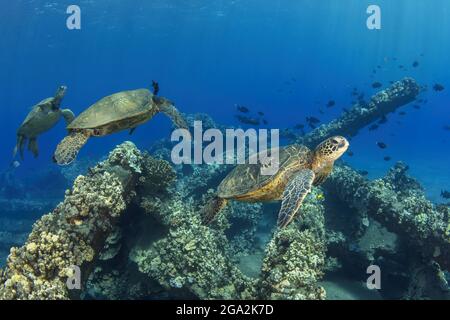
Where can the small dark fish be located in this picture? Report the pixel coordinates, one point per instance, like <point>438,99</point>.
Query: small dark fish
<point>438,87</point>
<point>382,145</point>
<point>265,122</point>
<point>379,67</point>
<point>363,172</point>
<point>416,106</point>
<point>415,64</point>
<point>401,66</point>
<point>312,120</point>
<point>331,103</point>
<point>242,109</point>
<point>377,85</point>
<point>350,153</point>
<point>445,194</point>
<point>382,120</point>
<point>261,113</point>
<point>155,86</point>
<point>247,120</point>
<point>402,113</point>
<point>387,158</point>
<point>373,127</point>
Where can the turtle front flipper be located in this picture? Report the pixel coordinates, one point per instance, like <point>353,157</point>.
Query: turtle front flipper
<point>68,116</point>
<point>169,110</point>
<point>296,190</point>
<point>212,209</point>
<point>68,148</point>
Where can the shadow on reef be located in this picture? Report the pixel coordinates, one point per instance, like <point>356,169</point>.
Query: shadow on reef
<point>132,225</point>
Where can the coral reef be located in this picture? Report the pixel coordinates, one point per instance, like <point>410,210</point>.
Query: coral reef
<point>295,257</point>
<point>191,258</point>
<point>74,232</point>
<point>402,228</point>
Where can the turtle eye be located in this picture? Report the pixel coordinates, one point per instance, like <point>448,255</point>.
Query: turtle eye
<point>334,141</point>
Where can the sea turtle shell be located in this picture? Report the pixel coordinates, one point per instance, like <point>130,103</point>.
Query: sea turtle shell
<point>119,107</point>
<point>247,178</point>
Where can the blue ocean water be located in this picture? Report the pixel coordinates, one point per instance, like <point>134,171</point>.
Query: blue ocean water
<point>284,58</point>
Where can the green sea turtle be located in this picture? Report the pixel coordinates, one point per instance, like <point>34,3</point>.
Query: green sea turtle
<point>299,170</point>
<point>42,117</point>
<point>114,113</point>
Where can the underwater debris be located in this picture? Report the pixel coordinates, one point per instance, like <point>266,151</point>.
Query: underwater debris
<point>438,87</point>
<point>74,232</point>
<point>382,103</point>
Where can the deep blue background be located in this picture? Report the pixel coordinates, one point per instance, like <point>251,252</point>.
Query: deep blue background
<point>209,55</point>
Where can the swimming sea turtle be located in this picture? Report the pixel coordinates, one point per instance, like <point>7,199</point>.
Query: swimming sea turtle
<point>299,170</point>
<point>114,113</point>
<point>42,117</point>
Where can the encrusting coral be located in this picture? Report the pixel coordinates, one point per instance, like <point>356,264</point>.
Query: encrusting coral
<point>295,257</point>
<point>74,232</point>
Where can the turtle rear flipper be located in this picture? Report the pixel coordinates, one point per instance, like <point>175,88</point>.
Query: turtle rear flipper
<point>177,118</point>
<point>33,147</point>
<point>295,192</point>
<point>68,148</point>
<point>21,140</point>
<point>211,210</point>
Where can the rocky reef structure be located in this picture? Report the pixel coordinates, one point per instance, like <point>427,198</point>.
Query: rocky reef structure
<point>295,257</point>
<point>350,122</point>
<point>395,209</point>
<point>74,233</point>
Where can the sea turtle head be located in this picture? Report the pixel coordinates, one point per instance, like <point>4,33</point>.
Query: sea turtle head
<point>331,149</point>
<point>59,95</point>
